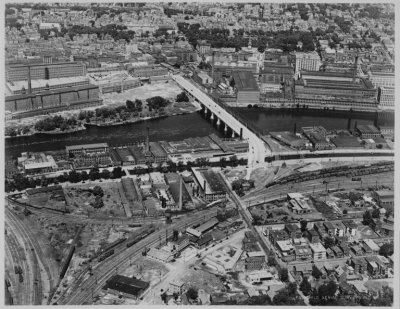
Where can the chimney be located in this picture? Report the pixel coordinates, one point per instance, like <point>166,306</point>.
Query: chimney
<point>205,185</point>
<point>355,68</point>
<point>29,80</point>
<point>180,194</point>
<point>147,140</point>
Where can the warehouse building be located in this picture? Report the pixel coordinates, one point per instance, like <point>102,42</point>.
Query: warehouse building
<point>51,101</point>
<point>20,72</point>
<point>126,286</point>
<point>246,88</point>
<point>86,148</point>
<point>211,184</point>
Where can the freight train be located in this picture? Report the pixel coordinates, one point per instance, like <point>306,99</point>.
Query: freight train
<point>133,240</point>
<point>349,171</point>
<point>67,261</point>
<point>105,255</point>
<point>113,245</point>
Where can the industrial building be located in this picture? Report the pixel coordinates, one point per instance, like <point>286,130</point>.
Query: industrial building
<point>116,81</point>
<point>40,85</point>
<point>307,62</point>
<point>335,90</point>
<point>23,72</point>
<point>28,105</point>
<point>145,72</point>
<point>211,184</point>
<point>86,148</point>
<point>246,88</point>
<point>126,286</point>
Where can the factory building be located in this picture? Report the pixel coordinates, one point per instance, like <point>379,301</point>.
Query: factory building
<point>211,184</point>
<point>246,88</point>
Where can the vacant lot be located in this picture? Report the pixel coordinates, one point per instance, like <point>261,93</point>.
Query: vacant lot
<point>166,90</point>
<point>80,199</point>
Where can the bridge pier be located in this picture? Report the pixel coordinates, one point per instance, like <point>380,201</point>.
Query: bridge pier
<point>212,116</point>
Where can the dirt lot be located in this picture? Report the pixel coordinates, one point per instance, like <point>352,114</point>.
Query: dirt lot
<point>79,199</point>
<point>166,90</point>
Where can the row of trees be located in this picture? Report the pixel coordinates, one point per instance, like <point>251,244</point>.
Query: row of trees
<point>10,131</point>
<point>55,122</point>
<point>20,182</point>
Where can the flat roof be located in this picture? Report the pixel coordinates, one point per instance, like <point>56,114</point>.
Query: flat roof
<point>50,92</point>
<point>39,83</point>
<point>367,128</point>
<point>86,146</point>
<point>245,81</point>
<point>346,141</point>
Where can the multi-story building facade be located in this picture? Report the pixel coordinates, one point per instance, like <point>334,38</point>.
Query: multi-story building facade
<point>307,62</point>
<point>45,71</point>
<point>386,96</point>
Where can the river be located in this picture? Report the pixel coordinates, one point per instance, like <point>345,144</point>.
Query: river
<point>188,125</point>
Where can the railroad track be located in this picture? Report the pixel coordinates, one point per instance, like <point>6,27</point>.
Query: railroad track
<point>38,257</point>
<point>18,257</point>
<point>277,191</point>
<point>107,268</point>
<point>66,217</point>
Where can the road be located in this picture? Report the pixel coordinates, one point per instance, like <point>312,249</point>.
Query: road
<point>258,150</point>
<point>104,270</point>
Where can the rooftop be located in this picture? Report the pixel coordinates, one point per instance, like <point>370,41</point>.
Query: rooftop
<point>245,81</point>
<point>86,146</point>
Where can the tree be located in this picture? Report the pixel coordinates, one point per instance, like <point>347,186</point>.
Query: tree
<point>236,185</point>
<point>376,213</point>
<point>182,97</point>
<point>98,191</point>
<point>94,173</point>
<point>386,250</point>
<point>329,242</point>
<point>316,273</point>
<point>305,286</point>
<point>105,173</point>
<point>284,275</point>
<point>98,202</point>
<point>192,293</point>
<point>10,132</point>
<point>367,218</point>
<point>303,225</point>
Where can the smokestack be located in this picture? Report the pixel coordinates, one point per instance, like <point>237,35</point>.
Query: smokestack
<point>147,139</point>
<point>180,194</point>
<point>29,80</point>
<point>355,68</point>
<point>212,68</point>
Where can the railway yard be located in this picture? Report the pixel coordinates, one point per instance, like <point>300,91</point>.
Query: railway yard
<point>61,250</point>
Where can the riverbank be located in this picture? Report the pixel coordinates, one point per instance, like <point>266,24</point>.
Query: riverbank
<point>173,110</point>
<point>54,132</point>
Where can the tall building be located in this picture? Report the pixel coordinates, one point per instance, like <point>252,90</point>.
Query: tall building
<point>386,97</point>
<point>382,79</point>
<point>307,61</point>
